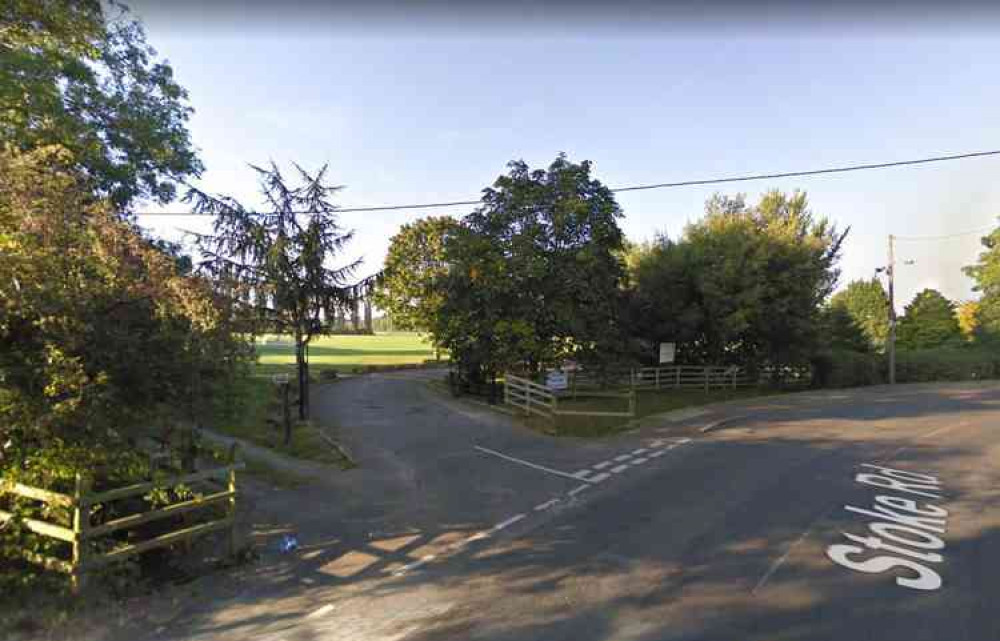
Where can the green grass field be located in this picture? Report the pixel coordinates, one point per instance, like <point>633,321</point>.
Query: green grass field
<point>345,353</point>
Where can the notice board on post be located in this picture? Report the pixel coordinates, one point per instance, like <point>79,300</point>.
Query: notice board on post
<point>667,352</point>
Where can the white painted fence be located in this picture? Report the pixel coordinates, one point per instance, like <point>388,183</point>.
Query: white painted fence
<point>534,398</point>
<point>687,376</point>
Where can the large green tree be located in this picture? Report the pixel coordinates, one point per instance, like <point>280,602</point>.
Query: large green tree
<point>409,288</point>
<point>986,274</point>
<point>277,259</point>
<point>81,75</point>
<point>534,273</point>
<point>928,321</point>
<point>743,285</point>
<point>868,304</point>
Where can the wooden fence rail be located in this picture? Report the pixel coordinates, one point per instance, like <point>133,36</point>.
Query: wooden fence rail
<point>82,532</point>
<point>679,376</point>
<point>538,399</point>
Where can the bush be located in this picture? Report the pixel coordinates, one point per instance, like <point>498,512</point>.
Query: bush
<point>849,368</point>
<point>947,364</point>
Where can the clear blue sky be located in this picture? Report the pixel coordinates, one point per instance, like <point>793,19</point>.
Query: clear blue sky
<point>405,119</point>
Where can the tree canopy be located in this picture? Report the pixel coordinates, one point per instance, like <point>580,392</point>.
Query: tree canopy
<point>867,302</point>
<point>409,287</point>
<point>743,285</point>
<point>928,321</point>
<point>276,260</point>
<point>76,77</point>
<point>986,274</point>
<point>534,273</point>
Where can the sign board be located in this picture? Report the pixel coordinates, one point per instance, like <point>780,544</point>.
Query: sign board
<point>667,351</point>
<point>556,379</point>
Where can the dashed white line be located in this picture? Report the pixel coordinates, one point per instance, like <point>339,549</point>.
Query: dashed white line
<point>511,521</point>
<point>416,564</point>
<point>657,453</point>
<point>601,465</point>
<point>639,451</point>
<point>581,473</point>
<point>320,612</point>
<point>623,457</point>
<point>577,490</point>
<point>619,469</point>
<point>657,443</point>
<point>599,478</point>
<point>546,505</point>
<point>639,461</point>
<point>477,536</point>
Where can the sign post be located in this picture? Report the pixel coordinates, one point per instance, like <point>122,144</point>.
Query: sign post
<point>667,352</point>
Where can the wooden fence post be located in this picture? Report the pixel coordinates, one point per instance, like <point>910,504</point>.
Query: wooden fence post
<point>657,378</point>
<point>677,371</point>
<point>506,391</point>
<point>631,403</point>
<point>527,399</point>
<point>81,523</point>
<point>231,504</point>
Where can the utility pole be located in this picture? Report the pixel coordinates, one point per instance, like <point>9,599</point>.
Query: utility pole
<point>890,270</point>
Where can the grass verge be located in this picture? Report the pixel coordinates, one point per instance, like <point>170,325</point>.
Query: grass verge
<point>345,353</point>
<point>248,417</point>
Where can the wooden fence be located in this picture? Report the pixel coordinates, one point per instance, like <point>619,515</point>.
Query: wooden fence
<point>82,532</point>
<point>679,376</point>
<point>534,398</point>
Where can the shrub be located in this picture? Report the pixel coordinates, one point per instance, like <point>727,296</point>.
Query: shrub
<point>849,368</point>
<point>947,364</point>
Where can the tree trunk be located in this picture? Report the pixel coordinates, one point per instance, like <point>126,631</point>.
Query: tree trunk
<point>301,345</point>
<point>368,317</point>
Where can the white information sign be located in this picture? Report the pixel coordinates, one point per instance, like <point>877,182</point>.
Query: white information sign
<point>556,379</point>
<point>667,352</point>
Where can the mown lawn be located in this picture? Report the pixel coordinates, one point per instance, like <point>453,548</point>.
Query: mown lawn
<point>345,353</point>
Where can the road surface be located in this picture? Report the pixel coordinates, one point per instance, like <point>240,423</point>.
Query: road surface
<point>853,515</point>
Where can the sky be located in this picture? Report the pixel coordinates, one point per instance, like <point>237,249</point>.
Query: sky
<point>432,109</point>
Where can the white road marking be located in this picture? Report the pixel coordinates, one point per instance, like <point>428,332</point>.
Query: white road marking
<point>511,521</point>
<point>619,469</point>
<point>599,478</point>
<point>415,564</point>
<point>774,566</point>
<point>657,454</point>
<point>639,461</point>
<point>601,465</point>
<point>546,505</point>
<point>657,443</point>
<point>577,490</point>
<point>623,457</point>
<point>581,474</point>
<point>641,450</point>
<point>477,536</point>
<point>320,612</point>
<point>528,463</point>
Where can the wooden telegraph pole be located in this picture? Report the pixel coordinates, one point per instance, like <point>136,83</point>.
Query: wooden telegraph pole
<point>890,271</point>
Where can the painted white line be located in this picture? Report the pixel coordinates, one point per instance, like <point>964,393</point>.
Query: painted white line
<point>623,457</point>
<point>581,474</point>
<point>546,505</point>
<point>416,564</point>
<point>599,478</point>
<point>639,461</point>
<point>657,454</point>
<point>641,450</point>
<point>601,465</point>
<point>774,566</point>
<point>320,612</point>
<point>619,469</point>
<point>577,490</point>
<point>477,537</point>
<point>511,521</point>
<point>527,463</point>
<point>657,443</point>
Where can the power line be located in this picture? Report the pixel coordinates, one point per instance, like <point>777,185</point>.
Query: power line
<point>960,234</point>
<point>683,183</point>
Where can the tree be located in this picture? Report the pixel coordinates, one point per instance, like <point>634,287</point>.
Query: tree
<point>840,331</point>
<point>967,315</point>
<point>928,321</point>
<point>408,288</point>
<point>534,273</point>
<point>72,76</point>
<point>100,332</point>
<point>276,260</point>
<point>986,274</point>
<point>743,285</point>
<point>868,304</point>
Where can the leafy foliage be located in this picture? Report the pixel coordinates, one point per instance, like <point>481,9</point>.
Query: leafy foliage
<point>274,263</point>
<point>414,266</point>
<point>868,304</point>
<point>928,321</point>
<point>986,273</point>
<point>534,273</point>
<point>743,285</point>
<point>73,77</point>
